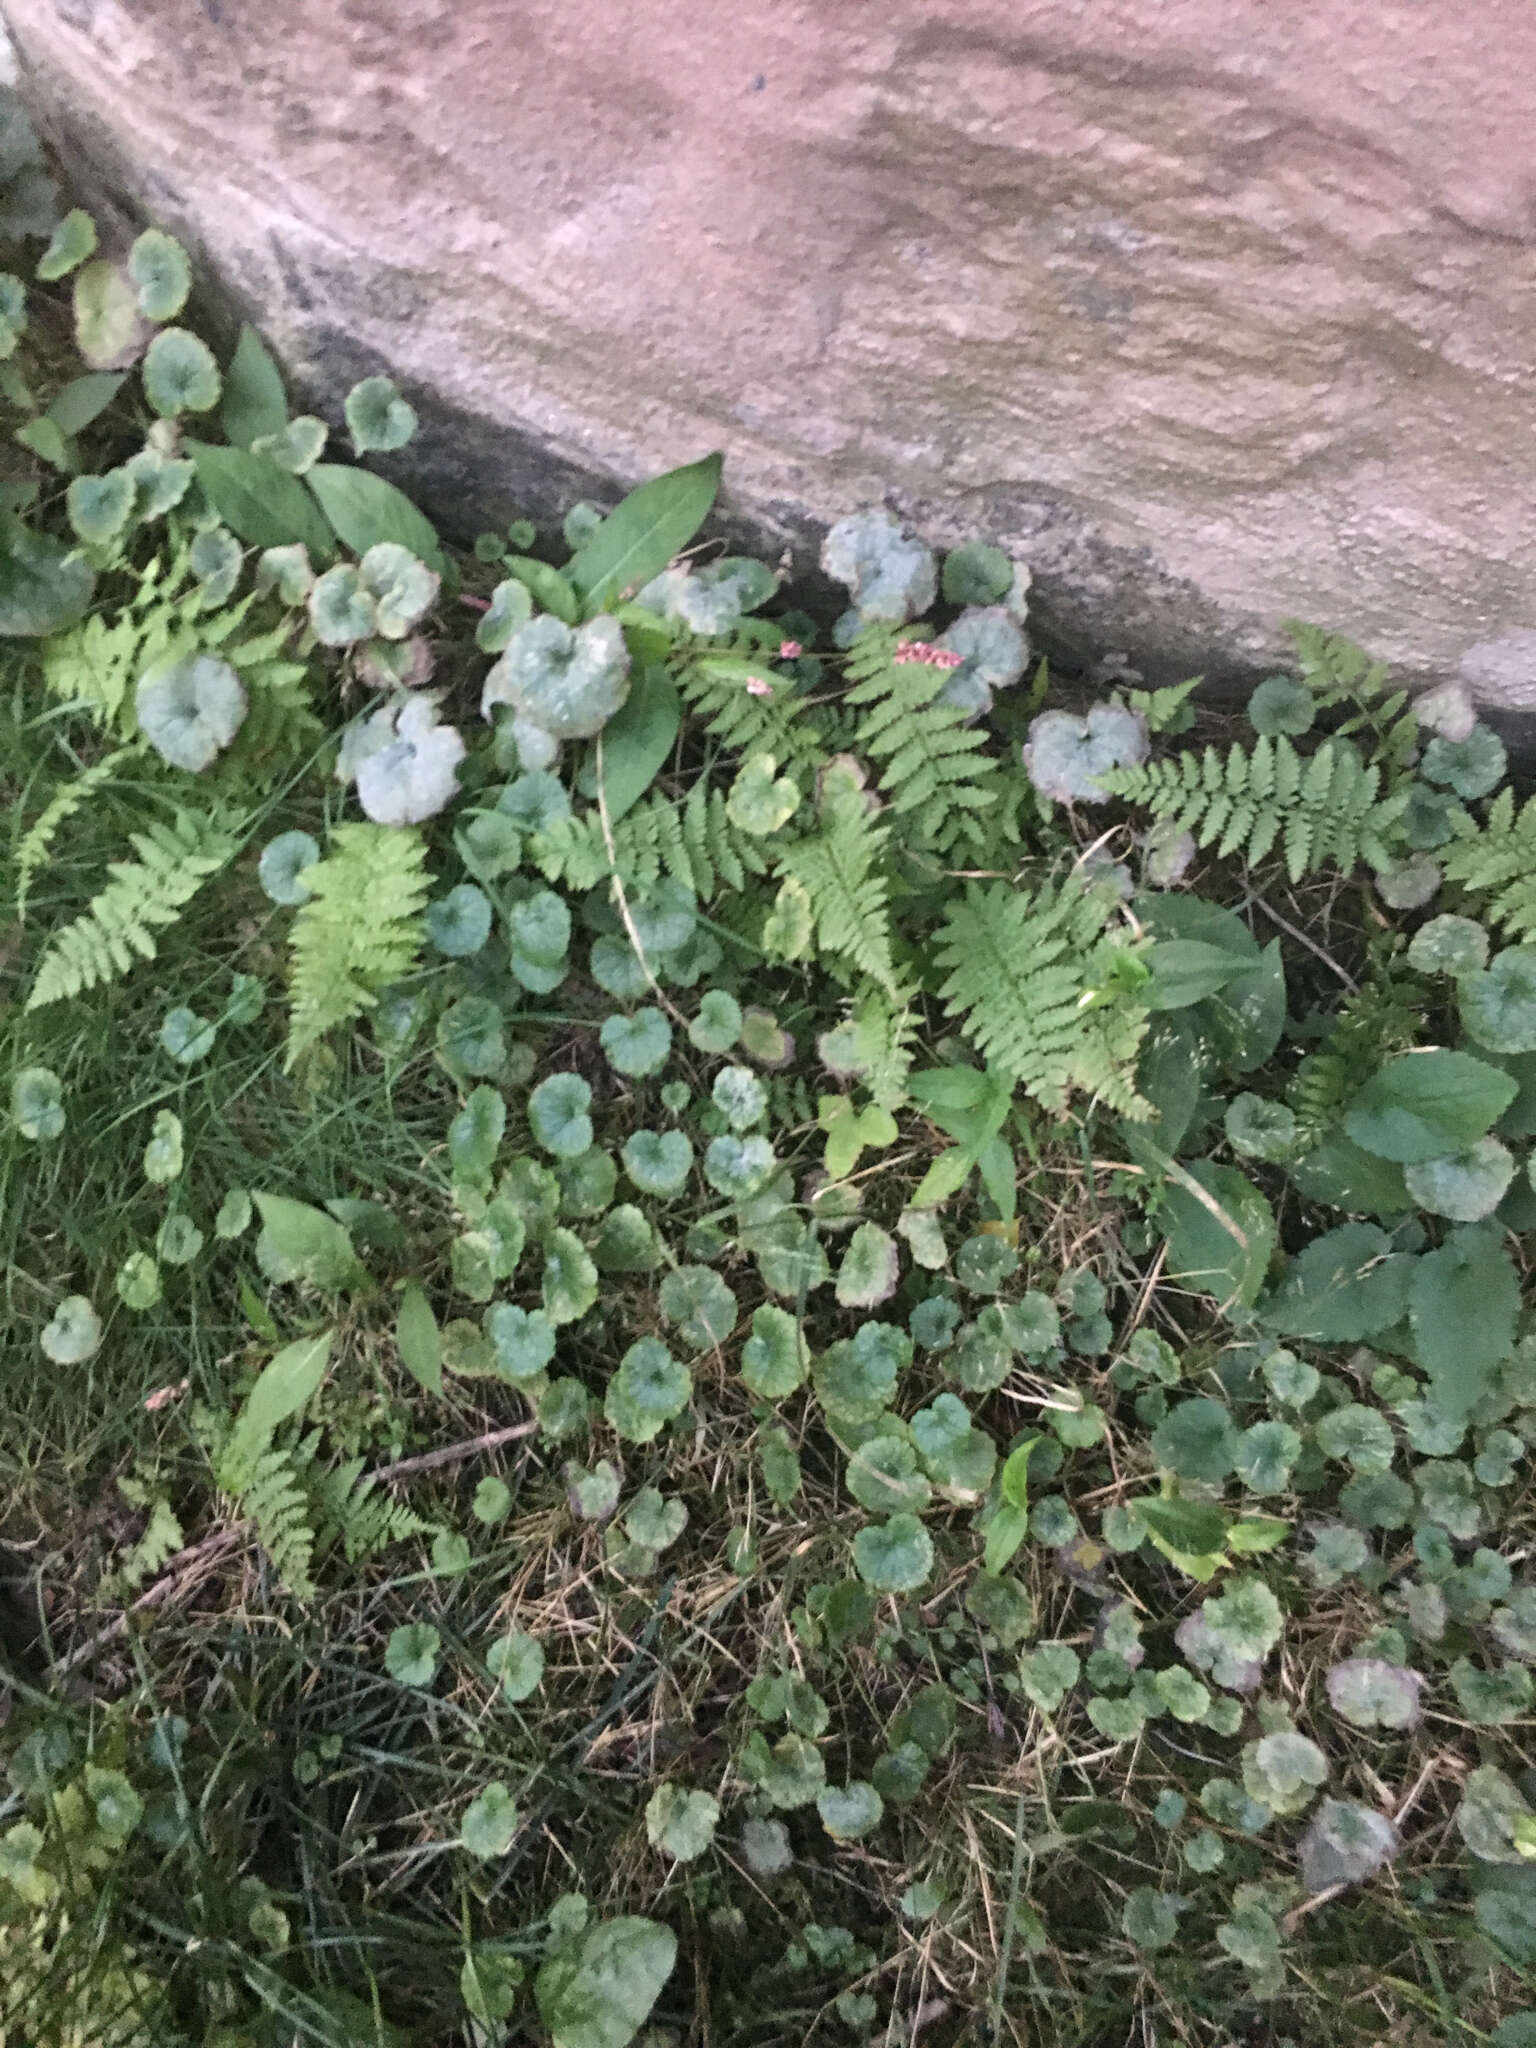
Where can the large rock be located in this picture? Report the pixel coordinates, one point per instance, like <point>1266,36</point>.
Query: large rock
<point>1218,311</point>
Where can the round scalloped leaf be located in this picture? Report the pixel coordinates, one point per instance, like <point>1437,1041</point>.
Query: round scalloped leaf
<point>569,1286</point>
<point>138,1282</point>
<point>298,447</point>
<point>161,275</point>
<point>1196,1440</point>
<point>459,923</point>
<point>190,709</point>
<point>775,1358</point>
<point>1449,945</point>
<point>681,1823</point>
<point>1370,1692</point>
<point>410,1655</point>
<point>73,241</point>
<point>510,609</point>
<point>717,1026</point>
<point>975,573</point>
<point>1265,1455</point>
<point>654,1521</point>
<point>1471,766</point>
<point>37,1104</point>
<point>74,1332</point>
<point>1498,1005</point>
<point>894,1556</point>
<point>740,1097</point>
<point>648,1389</point>
<point>567,681</point>
<point>165,1154</point>
<point>699,1305</point>
<point>287,571</point>
<point>557,1115</point>
<point>666,918</point>
<point>1289,1764</point>
<point>341,611</point>
<point>1246,1620</point>
<point>760,800</point>
<point>870,1269</point>
<point>160,482</point>
<point>1428,817</point>
<point>489,1825</point>
<point>522,1340</point>
<point>849,1812</point>
<point>637,1045</point>
<point>180,374</point>
<point>889,572</point>
<point>1259,1129</point>
<point>658,1162</point>
<point>402,587</point>
<point>415,773</point>
<point>993,655</point>
<point>1065,755</point>
<point>1345,1844</point>
<point>1410,884</point>
<point>539,929</point>
<point>738,1167</point>
<point>1279,705</point>
<point>378,418</point>
<point>883,1476</point>
<point>186,1036</point>
<point>1465,1186</point>
<point>1492,1807</point>
<point>1150,1918</point>
<point>215,559</point>
<point>281,867</point>
<point>108,328</point>
<point>98,506</point>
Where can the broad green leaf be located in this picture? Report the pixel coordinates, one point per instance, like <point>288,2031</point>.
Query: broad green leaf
<point>74,239</point>
<point>253,402</point>
<point>84,399</point>
<point>301,1243</point>
<point>108,329</point>
<point>637,740</point>
<point>44,586</point>
<point>516,1662</point>
<point>364,509</point>
<point>598,1991</point>
<point>265,505</point>
<point>1463,1302</point>
<point>681,1823</point>
<point>894,1556</point>
<point>410,1655</point>
<point>282,1388</point>
<point>73,1333</point>
<point>490,1822</point>
<point>1423,1105</point>
<point>417,1339</point>
<point>641,535</point>
<point>1221,1232</point>
<point>1341,1288</point>
<point>850,1811</point>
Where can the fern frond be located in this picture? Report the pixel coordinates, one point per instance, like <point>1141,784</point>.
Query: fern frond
<point>37,840</point>
<point>693,841</point>
<point>143,897</point>
<point>1383,1016</point>
<point>359,1514</point>
<point>1498,862</point>
<point>934,767</point>
<point>277,1502</point>
<point>715,684</point>
<point>281,726</point>
<point>886,1027</point>
<point>1021,972</point>
<point>1319,808</point>
<point>359,930</point>
<point>842,870</point>
<point>162,1538</point>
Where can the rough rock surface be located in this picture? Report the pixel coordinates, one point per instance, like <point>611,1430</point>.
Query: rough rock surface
<point>1218,311</point>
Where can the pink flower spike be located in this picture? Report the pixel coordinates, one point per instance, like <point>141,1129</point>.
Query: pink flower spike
<point>757,687</point>
<point>790,650</point>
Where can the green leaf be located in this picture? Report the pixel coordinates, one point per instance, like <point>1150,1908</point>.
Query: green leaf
<point>641,535</point>
<point>266,506</point>
<point>74,239</point>
<point>598,1991</point>
<point>894,1556</point>
<point>1193,1528</point>
<point>180,374</point>
<point>282,1388</point>
<point>681,1823</point>
<point>546,586</point>
<point>775,1358</point>
<point>158,268</point>
<point>516,1662</point>
<point>1219,1245</point>
<point>849,1812</point>
<point>759,802</point>
<point>301,1243</point>
<point>410,1655</point>
<point>639,1045</point>
<point>37,1104</point>
<point>73,1333</point>
<point>164,1155</point>
<point>1186,971</point>
<point>364,509</point>
<point>870,1268</point>
<point>1343,1287</point>
<point>44,586</point>
<point>639,737</point>
<point>378,418</point>
<point>1150,1918</point>
<point>85,399</point>
<point>253,402</point>
<point>1463,1302</point>
<point>108,330</point>
<point>490,1822</point>
<point>1423,1105</point>
<point>417,1340</point>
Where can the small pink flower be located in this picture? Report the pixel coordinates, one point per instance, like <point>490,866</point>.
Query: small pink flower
<point>790,650</point>
<point>925,652</point>
<point>758,687</point>
<point>162,1397</point>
